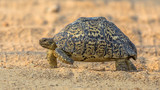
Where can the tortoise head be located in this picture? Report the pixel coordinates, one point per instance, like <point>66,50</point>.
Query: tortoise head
<point>48,43</point>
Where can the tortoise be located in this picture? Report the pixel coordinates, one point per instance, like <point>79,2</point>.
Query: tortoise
<point>91,39</point>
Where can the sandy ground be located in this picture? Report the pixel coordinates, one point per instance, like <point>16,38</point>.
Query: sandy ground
<point>23,63</point>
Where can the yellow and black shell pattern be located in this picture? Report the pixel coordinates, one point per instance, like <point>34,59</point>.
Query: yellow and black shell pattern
<point>95,37</point>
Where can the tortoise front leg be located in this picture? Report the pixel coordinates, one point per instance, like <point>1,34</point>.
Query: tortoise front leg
<point>62,56</point>
<point>51,59</point>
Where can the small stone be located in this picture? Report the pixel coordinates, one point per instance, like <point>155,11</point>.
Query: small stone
<point>54,8</point>
<point>5,24</point>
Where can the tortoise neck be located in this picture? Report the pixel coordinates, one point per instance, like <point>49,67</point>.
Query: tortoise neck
<point>53,46</point>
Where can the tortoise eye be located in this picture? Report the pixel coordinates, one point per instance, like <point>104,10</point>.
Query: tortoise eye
<point>44,40</point>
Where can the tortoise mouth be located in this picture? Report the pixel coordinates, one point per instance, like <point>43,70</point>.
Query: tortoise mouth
<point>43,45</point>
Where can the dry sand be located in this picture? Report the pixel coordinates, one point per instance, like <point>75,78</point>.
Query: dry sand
<point>23,63</point>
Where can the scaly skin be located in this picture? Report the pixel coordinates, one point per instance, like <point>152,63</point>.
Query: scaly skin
<point>51,59</point>
<point>62,56</point>
<point>124,65</point>
<point>130,65</point>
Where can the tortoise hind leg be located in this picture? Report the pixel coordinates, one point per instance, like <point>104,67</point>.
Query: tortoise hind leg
<point>51,59</point>
<point>121,65</point>
<point>130,65</point>
<point>61,55</point>
<point>124,65</point>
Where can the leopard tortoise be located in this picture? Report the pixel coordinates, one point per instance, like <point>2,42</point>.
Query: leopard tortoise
<point>91,39</point>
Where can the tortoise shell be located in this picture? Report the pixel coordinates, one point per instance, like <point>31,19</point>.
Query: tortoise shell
<point>95,37</point>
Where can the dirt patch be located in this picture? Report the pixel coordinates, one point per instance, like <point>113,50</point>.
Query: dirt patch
<point>23,63</point>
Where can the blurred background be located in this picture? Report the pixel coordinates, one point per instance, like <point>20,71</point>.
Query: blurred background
<point>24,22</point>
<point>23,63</point>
